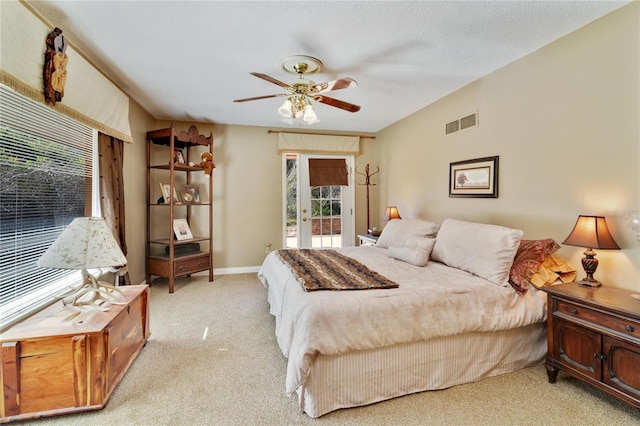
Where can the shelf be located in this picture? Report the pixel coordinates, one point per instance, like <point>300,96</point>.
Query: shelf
<point>185,256</point>
<point>181,139</point>
<point>180,204</point>
<point>166,241</point>
<point>172,263</point>
<point>178,167</point>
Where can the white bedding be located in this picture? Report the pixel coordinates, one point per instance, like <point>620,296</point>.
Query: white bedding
<point>432,301</point>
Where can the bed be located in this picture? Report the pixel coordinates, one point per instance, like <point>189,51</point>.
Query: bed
<point>453,318</point>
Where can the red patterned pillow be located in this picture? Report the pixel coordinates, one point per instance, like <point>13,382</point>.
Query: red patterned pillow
<point>529,257</point>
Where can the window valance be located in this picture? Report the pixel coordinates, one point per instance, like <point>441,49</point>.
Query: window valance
<point>89,97</point>
<point>318,144</point>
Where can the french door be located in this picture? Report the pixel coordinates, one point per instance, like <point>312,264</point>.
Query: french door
<point>318,216</point>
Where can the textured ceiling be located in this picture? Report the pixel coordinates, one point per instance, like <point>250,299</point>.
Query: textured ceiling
<point>188,60</point>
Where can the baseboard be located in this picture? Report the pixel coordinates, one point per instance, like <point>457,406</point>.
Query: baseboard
<point>226,271</point>
<point>230,271</point>
<point>242,270</point>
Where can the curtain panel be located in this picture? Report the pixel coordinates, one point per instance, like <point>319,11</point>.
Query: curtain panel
<point>111,158</point>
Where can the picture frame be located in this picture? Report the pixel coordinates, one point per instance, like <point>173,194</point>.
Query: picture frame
<point>178,156</point>
<point>476,178</point>
<point>165,189</point>
<point>190,194</point>
<point>181,229</point>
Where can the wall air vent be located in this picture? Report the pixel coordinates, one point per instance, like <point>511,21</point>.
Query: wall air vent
<point>470,120</point>
<point>454,126</point>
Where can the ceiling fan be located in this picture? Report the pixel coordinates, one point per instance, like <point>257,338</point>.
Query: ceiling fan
<point>300,92</point>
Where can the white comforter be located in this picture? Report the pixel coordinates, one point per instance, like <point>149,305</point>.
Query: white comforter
<point>432,301</point>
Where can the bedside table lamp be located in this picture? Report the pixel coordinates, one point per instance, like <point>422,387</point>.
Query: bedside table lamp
<point>591,232</point>
<point>391,213</point>
<point>87,243</point>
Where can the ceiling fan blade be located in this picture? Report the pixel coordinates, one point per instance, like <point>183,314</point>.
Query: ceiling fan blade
<point>342,83</point>
<point>259,97</point>
<point>269,79</point>
<point>337,103</point>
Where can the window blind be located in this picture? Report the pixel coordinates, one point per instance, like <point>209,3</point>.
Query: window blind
<point>327,172</point>
<point>45,182</point>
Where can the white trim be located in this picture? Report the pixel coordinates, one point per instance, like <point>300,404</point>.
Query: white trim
<point>231,271</point>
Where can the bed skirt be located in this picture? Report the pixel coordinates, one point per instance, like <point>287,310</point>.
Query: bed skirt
<point>365,377</point>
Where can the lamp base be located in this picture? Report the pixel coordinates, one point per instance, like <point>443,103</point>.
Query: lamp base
<point>590,282</point>
<point>93,294</point>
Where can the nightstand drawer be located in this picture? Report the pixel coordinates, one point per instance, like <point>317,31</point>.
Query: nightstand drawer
<point>624,326</point>
<point>192,264</point>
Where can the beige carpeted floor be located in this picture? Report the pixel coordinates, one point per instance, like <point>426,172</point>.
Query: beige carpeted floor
<point>235,375</point>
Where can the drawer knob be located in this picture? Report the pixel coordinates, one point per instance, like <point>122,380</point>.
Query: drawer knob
<point>628,329</point>
<point>183,268</point>
<point>573,311</point>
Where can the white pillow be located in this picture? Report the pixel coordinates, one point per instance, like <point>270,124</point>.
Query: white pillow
<point>399,231</point>
<point>483,250</point>
<point>414,255</point>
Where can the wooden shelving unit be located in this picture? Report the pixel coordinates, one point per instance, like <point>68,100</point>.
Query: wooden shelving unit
<point>163,258</point>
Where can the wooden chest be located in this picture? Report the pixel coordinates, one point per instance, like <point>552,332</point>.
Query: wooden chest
<point>64,360</point>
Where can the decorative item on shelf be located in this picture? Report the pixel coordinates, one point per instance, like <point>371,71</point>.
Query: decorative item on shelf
<point>633,222</point>
<point>181,229</point>
<point>87,243</point>
<point>367,182</point>
<point>178,156</point>
<point>591,232</point>
<point>190,194</point>
<point>166,193</point>
<point>54,74</point>
<point>391,213</point>
<point>207,162</point>
<point>183,249</point>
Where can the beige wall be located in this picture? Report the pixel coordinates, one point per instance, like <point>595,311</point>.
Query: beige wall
<point>135,178</point>
<point>564,121</point>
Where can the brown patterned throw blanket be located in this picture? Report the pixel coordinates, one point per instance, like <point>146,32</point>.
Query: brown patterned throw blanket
<point>329,270</point>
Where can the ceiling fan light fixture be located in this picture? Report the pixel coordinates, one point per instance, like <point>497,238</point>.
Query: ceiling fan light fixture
<point>285,110</point>
<point>309,114</point>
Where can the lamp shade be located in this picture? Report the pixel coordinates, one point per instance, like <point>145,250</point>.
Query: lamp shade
<point>591,232</point>
<point>391,213</point>
<point>85,244</point>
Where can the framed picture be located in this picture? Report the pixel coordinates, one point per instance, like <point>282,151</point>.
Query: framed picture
<point>178,156</point>
<point>190,194</point>
<point>165,188</point>
<point>181,229</point>
<point>474,178</point>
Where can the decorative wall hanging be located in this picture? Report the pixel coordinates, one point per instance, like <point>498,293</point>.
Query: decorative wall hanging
<point>55,67</point>
<point>477,178</point>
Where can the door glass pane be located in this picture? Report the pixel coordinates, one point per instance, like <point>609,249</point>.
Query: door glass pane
<point>326,226</point>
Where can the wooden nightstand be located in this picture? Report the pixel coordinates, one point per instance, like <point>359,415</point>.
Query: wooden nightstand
<point>368,239</point>
<point>594,335</point>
